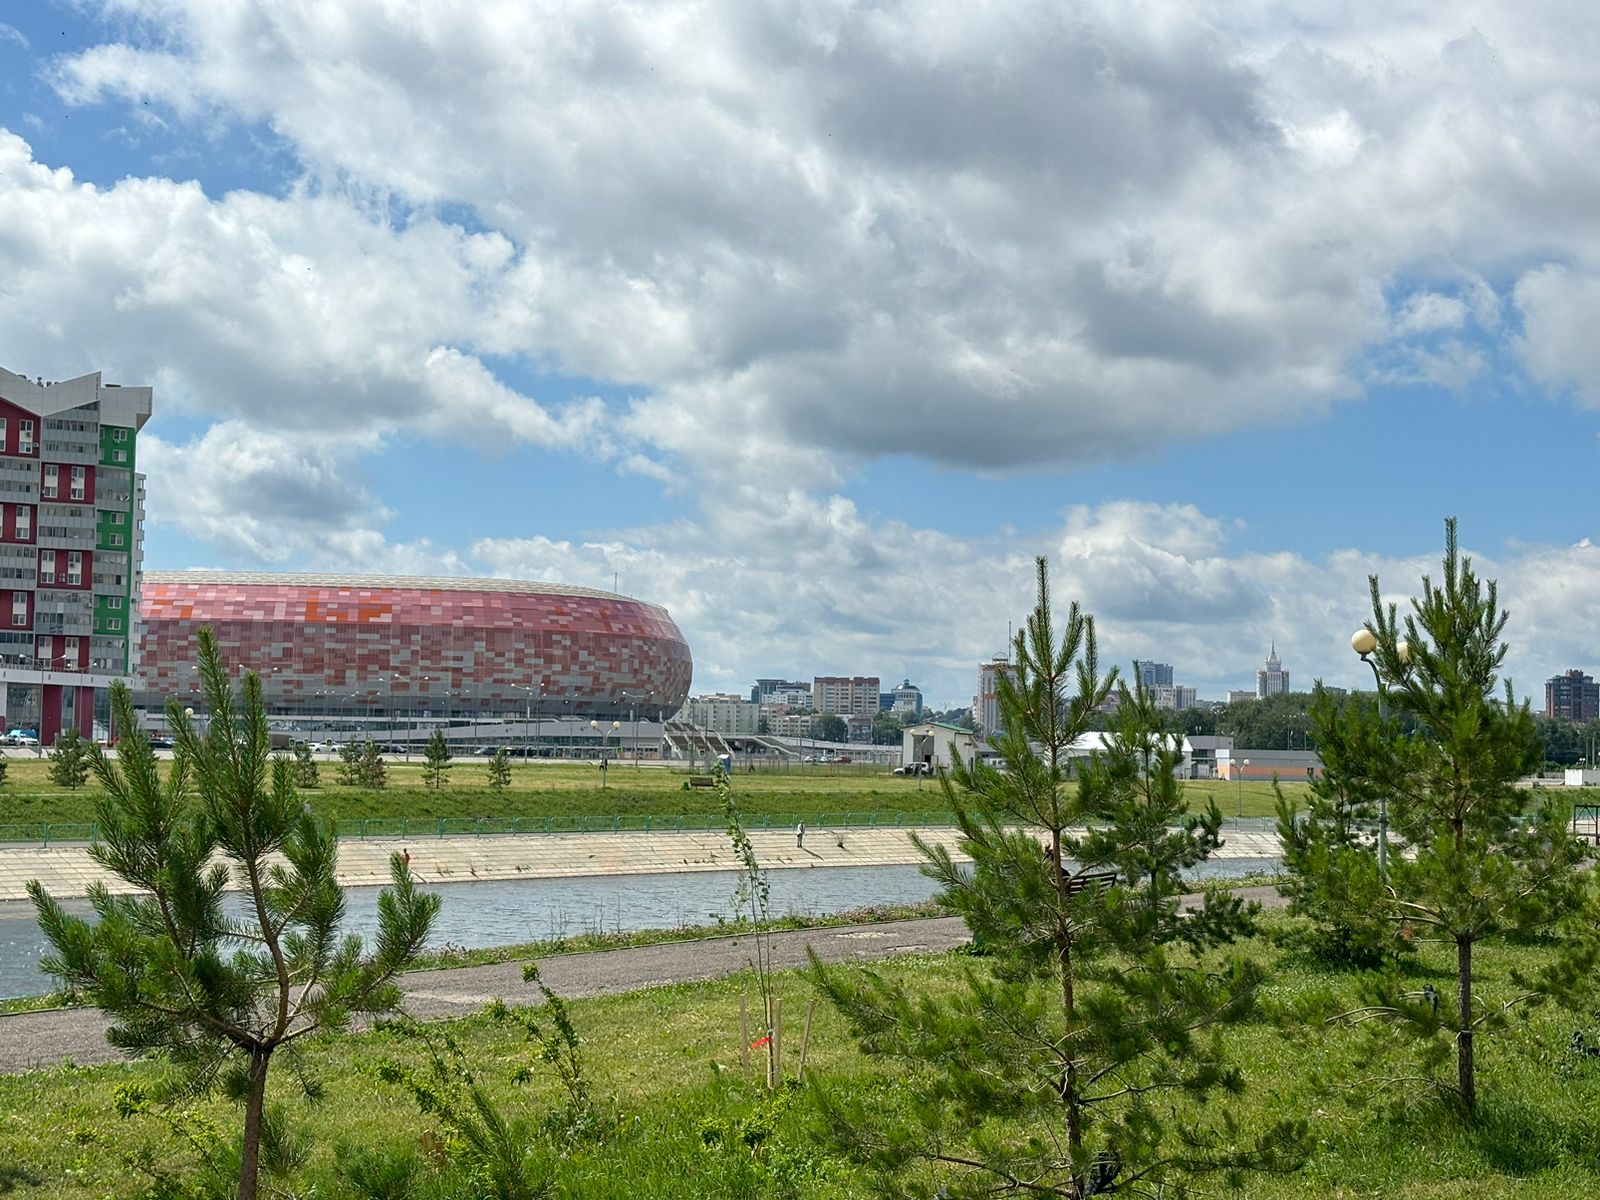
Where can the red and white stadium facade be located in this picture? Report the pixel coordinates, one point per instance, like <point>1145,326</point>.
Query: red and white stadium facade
<point>380,646</point>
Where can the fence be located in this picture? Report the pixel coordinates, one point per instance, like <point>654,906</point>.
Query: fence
<point>420,827</point>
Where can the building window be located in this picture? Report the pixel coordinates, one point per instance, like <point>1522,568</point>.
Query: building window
<point>80,482</point>
<point>113,602</point>
<point>2,434</point>
<point>118,518</point>
<point>114,624</point>
<point>116,539</point>
<point>24,437</point>
<point>74,568</point>
<point>119,435</point>
<point>19,608</point>
<point>47,566</point>
<point>119,456</point>
<point>52,481</point>
<point>24,522</point>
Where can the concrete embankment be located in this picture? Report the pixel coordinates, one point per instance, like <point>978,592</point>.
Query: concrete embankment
<point>70,871</point>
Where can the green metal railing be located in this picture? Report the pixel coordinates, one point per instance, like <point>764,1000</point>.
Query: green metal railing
<point>420,827</point>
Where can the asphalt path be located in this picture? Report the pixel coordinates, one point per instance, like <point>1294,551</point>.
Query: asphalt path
<point>29,1041</point>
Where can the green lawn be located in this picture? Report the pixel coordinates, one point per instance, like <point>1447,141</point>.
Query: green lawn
<point>541,791</point>
<point>692,1125</point>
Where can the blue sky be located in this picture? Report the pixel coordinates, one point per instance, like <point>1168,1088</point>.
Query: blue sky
<point>815,323</point>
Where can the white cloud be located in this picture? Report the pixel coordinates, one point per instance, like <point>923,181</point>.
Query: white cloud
<point>987,236</point>
<point>1558,341</point>
<point>1429,312</point>
<point>808,587</point>
<point>802,236</point>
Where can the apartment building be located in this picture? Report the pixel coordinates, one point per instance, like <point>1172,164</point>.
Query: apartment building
<point>846,695</point>
<point>71,545</point>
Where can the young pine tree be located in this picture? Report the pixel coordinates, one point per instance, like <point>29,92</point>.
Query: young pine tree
<point>1470,855</point>
<point>1332,877</point>
<point>370,769</point>
<point>500,769</point>
<point>1085,1057</point>
<point>305,767</point>
<point>436,759</point>
<point>350,764</point>
<point>69,760</point>
<point>171,964</point>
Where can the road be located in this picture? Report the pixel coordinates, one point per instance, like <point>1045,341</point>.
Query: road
<point>43,1039</point>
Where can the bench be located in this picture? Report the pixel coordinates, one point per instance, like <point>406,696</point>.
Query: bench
<point>702,781</point>
<point>1089,881</point>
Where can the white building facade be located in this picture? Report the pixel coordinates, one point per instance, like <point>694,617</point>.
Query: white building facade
<point>722,713</point>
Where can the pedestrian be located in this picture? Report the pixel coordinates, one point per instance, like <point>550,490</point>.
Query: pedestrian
<point>800,836</point>
<point>405,857</point>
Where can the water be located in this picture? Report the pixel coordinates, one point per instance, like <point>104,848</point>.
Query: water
<point>482,913</point>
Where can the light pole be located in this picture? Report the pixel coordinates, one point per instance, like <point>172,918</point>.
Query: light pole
<point>632,712</point>
<point>1242,766</point>
<point>604,733</point>
<point>44,665</point>
<point>1363,641</point>
<point>532,690</point>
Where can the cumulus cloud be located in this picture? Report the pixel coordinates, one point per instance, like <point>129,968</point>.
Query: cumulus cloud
<point>993,237</point>
<point>990,236</point>
<point>263,496</point>
<point>1160,580</point>
<point>900,227</point>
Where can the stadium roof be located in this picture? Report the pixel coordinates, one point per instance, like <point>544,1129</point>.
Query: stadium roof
<point>423,583</point>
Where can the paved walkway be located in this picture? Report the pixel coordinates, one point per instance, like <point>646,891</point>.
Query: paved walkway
<point>69,871</point>
<point>42,1039</point>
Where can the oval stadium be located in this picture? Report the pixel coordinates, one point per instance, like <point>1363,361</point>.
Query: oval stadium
<point>416,651</point>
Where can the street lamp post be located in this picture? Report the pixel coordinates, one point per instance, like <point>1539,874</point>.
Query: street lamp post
<point>616,726</point>
<point>1363,641</point>
<point>1242,766</point>
<point>634,703</point>
<point>45,665</point>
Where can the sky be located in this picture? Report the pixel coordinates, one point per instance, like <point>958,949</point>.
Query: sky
<point>816,323</point>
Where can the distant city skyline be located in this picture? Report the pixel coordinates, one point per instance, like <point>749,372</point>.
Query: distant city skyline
<point>816,328</point>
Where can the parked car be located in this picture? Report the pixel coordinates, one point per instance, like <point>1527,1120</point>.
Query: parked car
<point>160,743</point>
<point>917,768</point>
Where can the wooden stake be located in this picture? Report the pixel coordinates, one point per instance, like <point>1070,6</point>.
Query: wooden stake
<point>744,1036</point>
<point>805,1039</point>
<point>775,1075</point>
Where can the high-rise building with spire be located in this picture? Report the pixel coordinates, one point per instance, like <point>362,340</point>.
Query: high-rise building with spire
<point>1272,679</point>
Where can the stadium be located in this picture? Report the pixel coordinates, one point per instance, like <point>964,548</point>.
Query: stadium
<point>408,654</point>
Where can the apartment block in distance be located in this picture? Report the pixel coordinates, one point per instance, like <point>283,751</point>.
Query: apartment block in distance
<point>71,544</point>
<point>1572,696</point>
<point>722,713</point>
<point>986,704</point>
<point>845,695</point>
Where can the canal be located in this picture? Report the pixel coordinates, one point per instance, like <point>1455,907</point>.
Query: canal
<point>484,913</point>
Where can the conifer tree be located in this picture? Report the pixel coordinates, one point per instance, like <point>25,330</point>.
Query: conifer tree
<point>500,769</point>
<point>350,764</point>
<point>305,767</point>
<point>1331,877</point>
<point>69,760</point>
<point>171,964</point>
<point>1470,855</point>
<point>3,766</point>
<point>370,768</point>
<point>1055,1069</point>
<point>436,759</point>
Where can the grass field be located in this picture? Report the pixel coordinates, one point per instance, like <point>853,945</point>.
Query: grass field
<point>691,1124</point>
<point>564,790</point>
